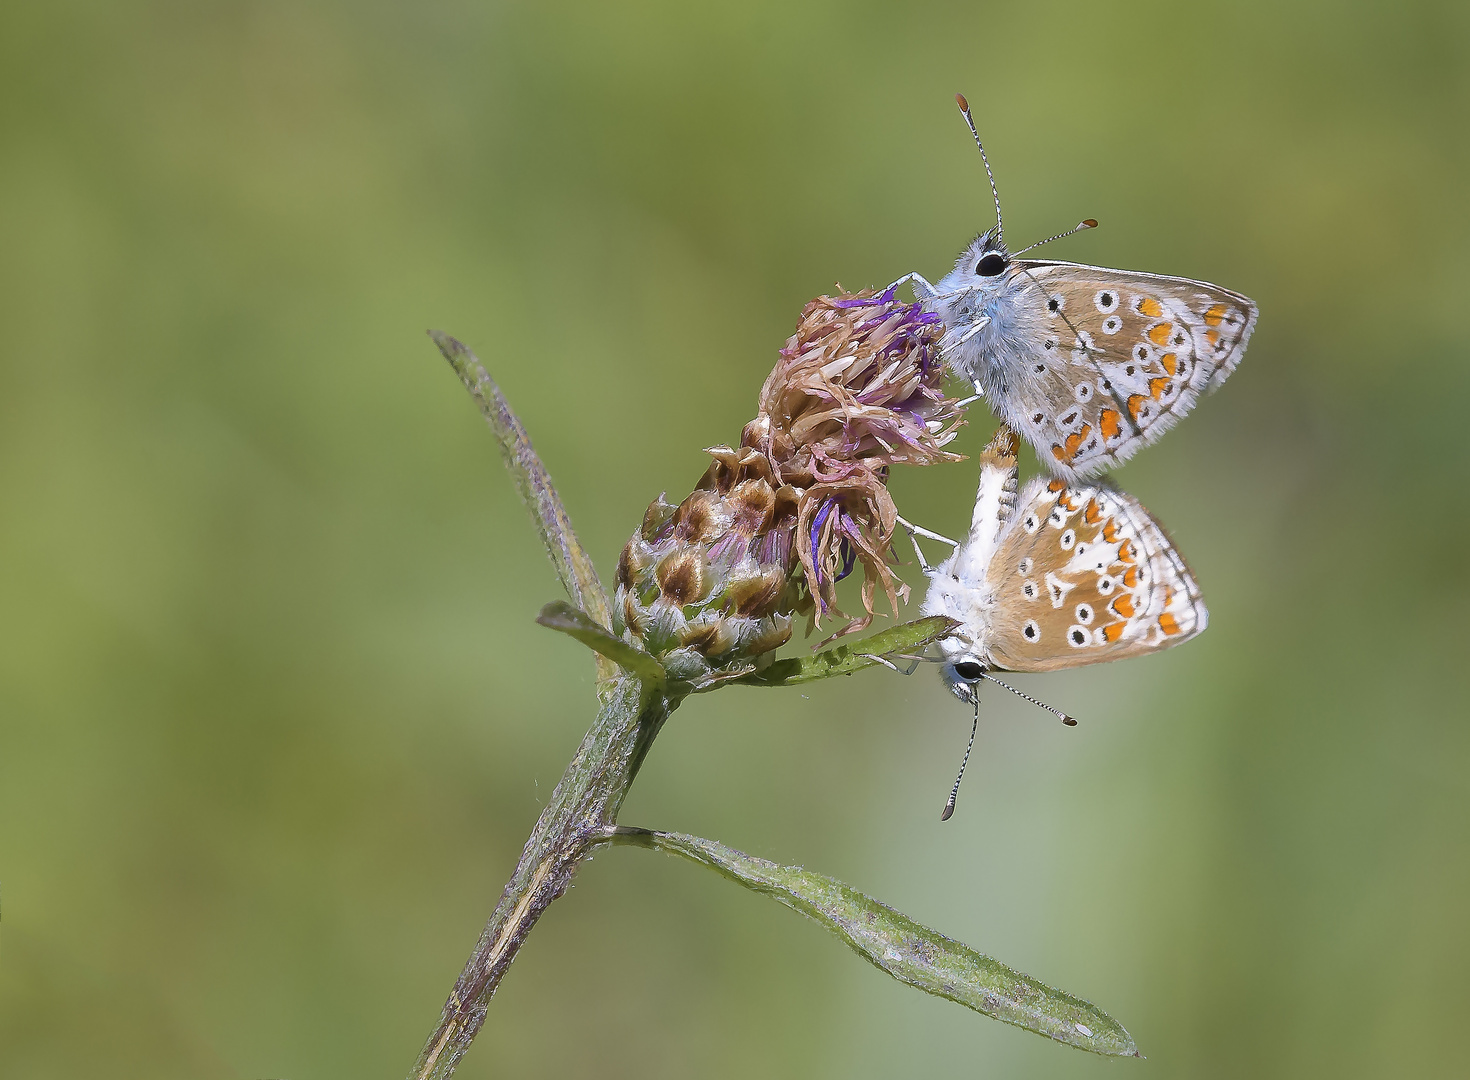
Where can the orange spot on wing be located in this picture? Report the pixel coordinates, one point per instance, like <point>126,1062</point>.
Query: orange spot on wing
<point>1056,485</point>
<point>1123,606</point>
<point>1113,631</point>
<point>1215,316</point>
<point>1074,442</point>
<point>1092,513</point>
<point>1130,577</point>
<point>1159,334</point>
<point>1135,404</point>
<point>1213,337</point>
<point>1067,501</point>
<point>1110,422</point>
<point>1167,624</point>
<point>1158,387</point>
<point>1149,308</point>
<point>1170,362</point>
<point>1056,452</point>
<point>1125,551</point>
<point>1110,530</point>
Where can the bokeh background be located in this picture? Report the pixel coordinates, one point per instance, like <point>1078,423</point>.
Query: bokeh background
<point>274,716</point>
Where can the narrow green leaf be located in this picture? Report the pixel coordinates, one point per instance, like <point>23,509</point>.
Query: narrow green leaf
<point>573,566</point>
<point>847,658</point>
<point>909,952</point>
<point>562,616</point>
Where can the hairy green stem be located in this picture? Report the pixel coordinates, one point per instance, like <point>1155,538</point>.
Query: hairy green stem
<point>635,697</point>
<point>583,807</point>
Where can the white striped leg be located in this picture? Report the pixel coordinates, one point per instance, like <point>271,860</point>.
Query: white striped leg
<point>913,539</point>
<point>922,289</point>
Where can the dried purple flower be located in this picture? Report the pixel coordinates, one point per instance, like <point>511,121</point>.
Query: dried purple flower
<point>775,523</point>
<point>858,388</point>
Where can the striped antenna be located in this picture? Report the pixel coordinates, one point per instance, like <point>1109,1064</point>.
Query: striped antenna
<point>955,791</point>
<point>1070,721</point>
<point>1089,223</point>
<point>965,111</point>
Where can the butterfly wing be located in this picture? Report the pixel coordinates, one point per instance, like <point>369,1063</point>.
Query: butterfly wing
<point>1082,575</point>
<point>1137,350</point>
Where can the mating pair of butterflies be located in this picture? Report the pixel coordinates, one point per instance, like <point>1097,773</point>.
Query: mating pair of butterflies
<point>1089,365</point>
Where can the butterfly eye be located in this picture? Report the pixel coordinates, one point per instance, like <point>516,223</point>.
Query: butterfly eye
<point>969,671</point>
<point>990,265</point>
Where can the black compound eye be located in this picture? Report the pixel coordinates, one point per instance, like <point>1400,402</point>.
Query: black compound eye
<point>990,265</point>
<point>969,670</point>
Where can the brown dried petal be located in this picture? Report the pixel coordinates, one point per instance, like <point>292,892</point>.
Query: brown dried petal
<point>634,615</point>
<point>701,518</point>
<point>712,636</point>
<point>682,577</point>
<point>752,504</point>
<point>771,635</point>
<point>635,558</point>
<point>758,594</point>
<point>659,511</point>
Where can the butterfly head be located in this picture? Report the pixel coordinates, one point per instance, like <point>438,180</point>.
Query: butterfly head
<point>962,674</point>
<point>986,259</point>
<point>973,290</point>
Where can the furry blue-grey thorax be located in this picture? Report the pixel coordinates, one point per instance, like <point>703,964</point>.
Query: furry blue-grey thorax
<point>996,319</point>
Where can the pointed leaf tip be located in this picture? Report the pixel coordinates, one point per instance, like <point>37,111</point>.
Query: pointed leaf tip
<point>573,565</point>
<point>562,616</point>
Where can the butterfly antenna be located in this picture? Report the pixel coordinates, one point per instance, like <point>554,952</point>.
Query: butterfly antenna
<point>955,791</point>
<point>1088,223</point>
<point>965,111</point>
<point>1070,721</point>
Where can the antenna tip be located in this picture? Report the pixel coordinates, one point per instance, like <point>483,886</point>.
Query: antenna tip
<point>1070,721</point>
<point>1088,223</point>
<point>959,99</point>
<point>948,811</point>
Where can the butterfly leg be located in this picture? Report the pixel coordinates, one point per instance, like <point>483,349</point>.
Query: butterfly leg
<point>912,529</point>
<point>924,566</point>
<point>922,289</point>
<point>979,323</point>
<point>914,662</point>
<point>976,396</point>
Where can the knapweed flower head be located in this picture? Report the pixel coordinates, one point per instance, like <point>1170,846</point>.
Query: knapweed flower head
<point>707,585</point>
<point>858,389</point>
<point>712,583</point>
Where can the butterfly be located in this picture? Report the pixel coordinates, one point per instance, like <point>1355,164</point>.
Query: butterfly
<point>1088,364</point>
<point>1057,576</point>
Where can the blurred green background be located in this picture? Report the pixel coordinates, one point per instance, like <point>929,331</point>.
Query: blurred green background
<point>274,717</point>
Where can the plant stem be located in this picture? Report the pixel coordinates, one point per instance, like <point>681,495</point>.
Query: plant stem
<point>585,803</point>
